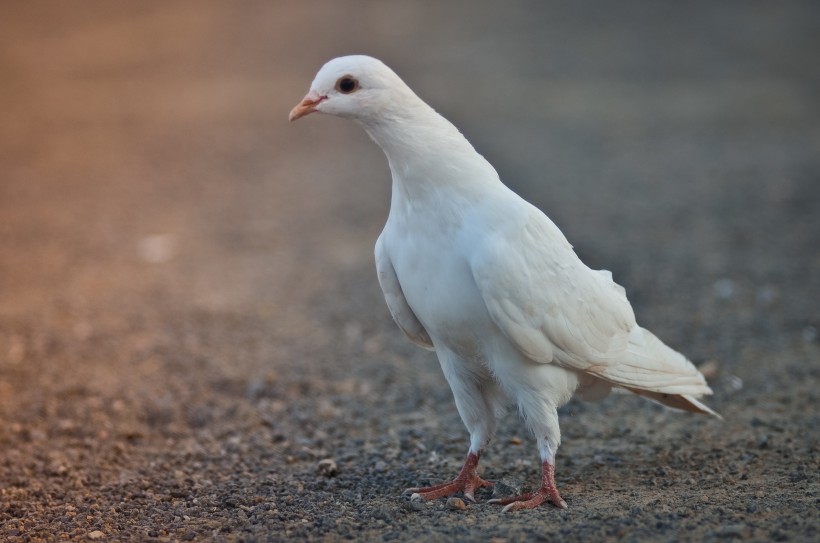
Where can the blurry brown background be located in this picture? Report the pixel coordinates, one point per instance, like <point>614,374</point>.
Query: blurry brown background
<point>189,317</point>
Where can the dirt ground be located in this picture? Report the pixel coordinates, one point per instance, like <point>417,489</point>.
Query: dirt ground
<point>190,322</point>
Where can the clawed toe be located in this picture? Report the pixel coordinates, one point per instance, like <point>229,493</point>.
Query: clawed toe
<point>427,489</point>
<point>511,499</point>
<point>467,486</point>
<point>434,492</point>
<point>467,482</point>
<point>546,493</point>
<point>530,500</point>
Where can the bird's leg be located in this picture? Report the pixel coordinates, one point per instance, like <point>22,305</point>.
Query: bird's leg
<point>467,481</point>
<point>547,492</point>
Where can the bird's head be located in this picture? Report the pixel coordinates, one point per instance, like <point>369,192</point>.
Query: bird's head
<point>357,87</point>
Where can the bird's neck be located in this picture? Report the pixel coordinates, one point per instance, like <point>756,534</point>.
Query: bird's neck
<point>428,156</point>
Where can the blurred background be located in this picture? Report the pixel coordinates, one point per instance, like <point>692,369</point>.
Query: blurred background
<point>189,315</point>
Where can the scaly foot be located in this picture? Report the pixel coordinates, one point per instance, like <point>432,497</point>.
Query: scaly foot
<point>466,482</point>
<point>547,493</point>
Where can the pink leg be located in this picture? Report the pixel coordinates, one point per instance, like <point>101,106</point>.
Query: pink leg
<point>467,481</point>
<point>530,500</point>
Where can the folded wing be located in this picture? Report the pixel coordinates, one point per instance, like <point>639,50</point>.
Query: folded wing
<point>396,302</point>
<point>557,310</point>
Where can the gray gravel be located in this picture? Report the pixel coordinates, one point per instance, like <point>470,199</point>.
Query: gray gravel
<point>193,345</point>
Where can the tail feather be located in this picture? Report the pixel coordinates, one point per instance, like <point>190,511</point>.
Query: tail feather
<point>653,370</point>
<point>684,402</point>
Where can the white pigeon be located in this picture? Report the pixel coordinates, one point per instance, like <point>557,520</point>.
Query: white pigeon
<point>476,273</point>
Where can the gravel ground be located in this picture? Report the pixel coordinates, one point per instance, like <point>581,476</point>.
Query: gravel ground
<point>193,344</point>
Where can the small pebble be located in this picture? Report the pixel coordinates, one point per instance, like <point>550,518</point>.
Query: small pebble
<point>327,467</point>
<point>96,534</point>
<point>456,504</point>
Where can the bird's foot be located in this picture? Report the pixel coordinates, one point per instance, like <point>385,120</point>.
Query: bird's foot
<point>466,482</point>
<point>530,500</point>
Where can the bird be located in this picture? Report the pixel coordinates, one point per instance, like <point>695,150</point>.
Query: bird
<point>472,271</point>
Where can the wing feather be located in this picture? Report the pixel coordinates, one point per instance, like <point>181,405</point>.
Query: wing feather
<point>396,302</point>
<point>548,302</point>
<point>557,310</point>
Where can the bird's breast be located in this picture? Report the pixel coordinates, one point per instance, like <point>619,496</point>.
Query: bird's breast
<point>435,276</point>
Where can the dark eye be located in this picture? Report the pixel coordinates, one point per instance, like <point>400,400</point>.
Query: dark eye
<point>347,84</point>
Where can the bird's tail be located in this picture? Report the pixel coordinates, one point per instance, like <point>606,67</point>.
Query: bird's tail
<point>653,370</point>
<point>684,402</point>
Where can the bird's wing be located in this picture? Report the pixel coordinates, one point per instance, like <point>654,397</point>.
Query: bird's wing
<point>549,303</point>
<point>396,302</point>
<point>557,310</point>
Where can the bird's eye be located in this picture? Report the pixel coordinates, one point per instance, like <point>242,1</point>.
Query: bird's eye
<point>347,84</point>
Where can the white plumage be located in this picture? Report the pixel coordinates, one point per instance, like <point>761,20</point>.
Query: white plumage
<point>471,270</point>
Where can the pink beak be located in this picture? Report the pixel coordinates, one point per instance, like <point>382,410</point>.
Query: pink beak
<point>306,106</point>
